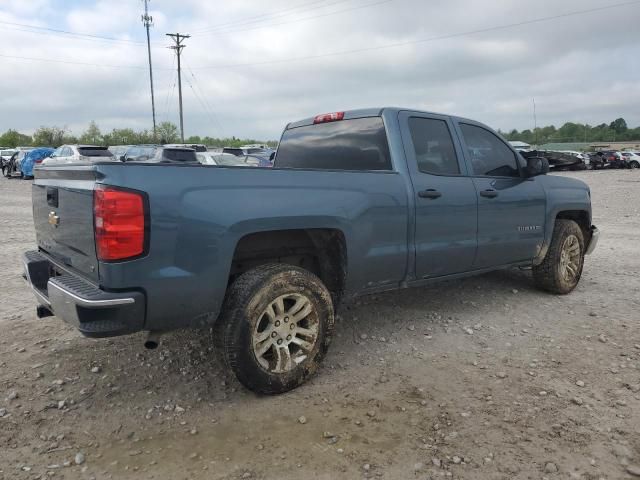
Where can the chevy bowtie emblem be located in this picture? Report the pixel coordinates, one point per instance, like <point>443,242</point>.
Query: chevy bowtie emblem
<point>54,219</point>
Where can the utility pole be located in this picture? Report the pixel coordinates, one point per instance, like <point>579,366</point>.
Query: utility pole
<point>147,21</point>
<point>178,38</point>
<point>535,122</point>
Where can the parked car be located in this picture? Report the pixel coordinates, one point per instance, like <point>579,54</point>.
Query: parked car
<point>198,147</point>
<point>258,160</point>
<point>143,152</point>
<point>162,154</point>
<point>5,156</point>
<point>611,159</point>
<point>119,150</point>
<point>33,158</point>
<point>558,160</point>
<point>581,155</point>
<point>78,153</point>
<point>631,159</point>
<point>12,166</point>
<point>244,151</point>
<point>358,202</point>
<point>221,159</point>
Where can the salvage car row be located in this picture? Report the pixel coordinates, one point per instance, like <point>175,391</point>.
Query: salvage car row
<point>21,160</point>
<point>571,160</point>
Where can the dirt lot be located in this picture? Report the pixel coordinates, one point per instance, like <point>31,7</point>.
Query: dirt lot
<point>485,378</point>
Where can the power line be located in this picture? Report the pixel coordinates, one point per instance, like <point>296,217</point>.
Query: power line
<point>259,27</point>
<point>280,13</point>
<point>170,90</point>
<point>349,52</point>
<point>69,33</point>
<point>73,62</point>
<point>206,100</point>
<point>424,40</point>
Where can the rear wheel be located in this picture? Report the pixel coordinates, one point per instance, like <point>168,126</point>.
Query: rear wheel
<point>634,164</point>
<point>561,268</point>
<point>275,328</point>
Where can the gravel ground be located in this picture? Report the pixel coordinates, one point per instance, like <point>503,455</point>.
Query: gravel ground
<point>485,378</point>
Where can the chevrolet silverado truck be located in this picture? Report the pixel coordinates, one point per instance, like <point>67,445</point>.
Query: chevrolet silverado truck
<point>359,202</point>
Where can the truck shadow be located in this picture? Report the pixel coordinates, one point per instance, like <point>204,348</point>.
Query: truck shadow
<point>186,368</point>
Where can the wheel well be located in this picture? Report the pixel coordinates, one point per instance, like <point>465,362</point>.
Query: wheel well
<point>321,251</point>
<point>581,217</point>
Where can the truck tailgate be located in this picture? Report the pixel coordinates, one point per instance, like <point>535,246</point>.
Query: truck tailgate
<point>63,217</point>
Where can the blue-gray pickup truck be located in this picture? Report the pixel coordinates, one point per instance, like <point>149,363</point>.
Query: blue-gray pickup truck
<point>358,202</point>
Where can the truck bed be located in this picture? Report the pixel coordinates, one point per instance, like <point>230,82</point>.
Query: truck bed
<point>197,216</point>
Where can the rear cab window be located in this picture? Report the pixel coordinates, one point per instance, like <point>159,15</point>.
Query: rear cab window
<point>94,152</point>
<point>354,144</point>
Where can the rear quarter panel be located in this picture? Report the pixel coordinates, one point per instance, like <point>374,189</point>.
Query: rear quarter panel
<point>199,213</point>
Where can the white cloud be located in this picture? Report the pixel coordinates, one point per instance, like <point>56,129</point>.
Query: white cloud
<point>575,71</point>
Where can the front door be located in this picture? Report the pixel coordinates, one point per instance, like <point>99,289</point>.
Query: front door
<point>445,197</point>
<point>511,208</point>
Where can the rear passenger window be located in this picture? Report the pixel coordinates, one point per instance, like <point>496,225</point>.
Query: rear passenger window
<point>357,144</point>
<point>489,155</point>
<point>433,146</point>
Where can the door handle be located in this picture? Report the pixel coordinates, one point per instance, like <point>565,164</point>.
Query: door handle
<point>430,193</point>
<point>490,193</point>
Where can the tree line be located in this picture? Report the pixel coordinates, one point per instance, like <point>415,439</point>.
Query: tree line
<point>616,131</point>
<point>166,132</point>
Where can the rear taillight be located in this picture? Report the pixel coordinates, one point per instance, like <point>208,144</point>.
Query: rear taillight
<point>119,220</point>
<point>328,117</point>
<point>39,161</point>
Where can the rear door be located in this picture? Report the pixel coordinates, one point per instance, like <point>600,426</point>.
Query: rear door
<point>511,208</point>
<point>63,217</point>
<point>446,205</point>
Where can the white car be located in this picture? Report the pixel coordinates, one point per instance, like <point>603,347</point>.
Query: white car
<point>77,154</point>
<point>632,159</point>
<point>221,159</point>
<point>583,156</point>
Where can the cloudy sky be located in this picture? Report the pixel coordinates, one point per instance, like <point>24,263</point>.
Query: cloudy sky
<point>251,66</point>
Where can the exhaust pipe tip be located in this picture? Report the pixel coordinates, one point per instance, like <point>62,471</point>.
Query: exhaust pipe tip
<point>152,341</point>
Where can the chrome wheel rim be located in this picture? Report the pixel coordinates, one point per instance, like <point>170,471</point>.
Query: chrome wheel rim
<point>570,258</point>
<point>286,333</point>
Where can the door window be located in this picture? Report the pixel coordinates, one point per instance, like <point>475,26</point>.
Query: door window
<point>489,155</point>
<point>433,146</point>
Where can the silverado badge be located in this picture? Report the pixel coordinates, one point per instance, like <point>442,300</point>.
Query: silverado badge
<point>54,219</point>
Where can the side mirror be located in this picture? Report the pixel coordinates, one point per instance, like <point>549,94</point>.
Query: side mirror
<point>123,158</point>
<point>537,166</point>
<point>272,156</point>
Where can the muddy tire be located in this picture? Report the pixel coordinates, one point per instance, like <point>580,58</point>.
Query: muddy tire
<point>275,328</point>
<point>561,269</point>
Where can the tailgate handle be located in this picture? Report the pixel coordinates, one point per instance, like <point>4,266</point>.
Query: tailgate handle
<point>52,197</point>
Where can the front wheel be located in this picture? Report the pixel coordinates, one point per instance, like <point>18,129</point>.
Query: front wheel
<point>275,328</point>
<point>561,269</point>
<point>634,164</point>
